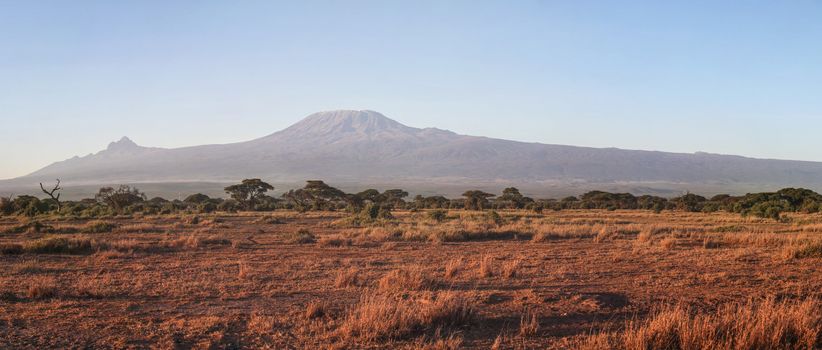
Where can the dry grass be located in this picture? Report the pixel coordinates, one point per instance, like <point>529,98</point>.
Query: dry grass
<point>414,278</point>
<point>160,282</point>
<point>140,228</point>
<point>316,309</point>
<point>528,324</point>
<point>487,267</point>
<point>668,243</point>
<point>510,269</point>
<point>453,267</point>
<point>334,241</point>
<point>98,226</point>
<point>347,277</point>
<point>766,324</point>
<point>243,270</point>
<point>42,288</point>
<point>804,250</point>
<point>382,317</point>
<point>606,233</point>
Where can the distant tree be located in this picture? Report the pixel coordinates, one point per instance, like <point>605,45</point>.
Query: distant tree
<point>769,210</point>
<point>369,195</point>
<point>317,195</point>
<point>476,199</point>
<point>393,198</point>
<point>512,198</point>
<point>248,192</point>
<point>800,199</point>
<point>51,192</point>
<point>29,205</point>
<point>119,198</point>
<point>6,206</point>
<point>436,202</point>
<point>689,202</point>
<point>197,198</point>
<point>158,201</point>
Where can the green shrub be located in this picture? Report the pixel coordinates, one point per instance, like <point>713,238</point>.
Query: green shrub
<point>31,227</point>
<point>206,207</point>
<point>438,215</point>
<point>302,236</point>
<point>370,214</point>
<point>99,227</point>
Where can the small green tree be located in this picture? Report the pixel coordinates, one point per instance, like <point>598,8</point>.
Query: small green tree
<point>248,192</point>
<point>119,198</point>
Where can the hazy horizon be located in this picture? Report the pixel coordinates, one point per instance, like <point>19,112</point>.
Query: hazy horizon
<point>739,79</point>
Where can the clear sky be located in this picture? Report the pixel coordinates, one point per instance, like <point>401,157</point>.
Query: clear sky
<point>736,77</point>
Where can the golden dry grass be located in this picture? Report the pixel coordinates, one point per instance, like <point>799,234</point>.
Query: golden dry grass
<point>764,324</point>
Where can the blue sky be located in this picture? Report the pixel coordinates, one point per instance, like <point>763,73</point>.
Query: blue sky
<point>736,77</point>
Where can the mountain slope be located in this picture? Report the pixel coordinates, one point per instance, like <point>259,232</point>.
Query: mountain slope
<point>367,147</point>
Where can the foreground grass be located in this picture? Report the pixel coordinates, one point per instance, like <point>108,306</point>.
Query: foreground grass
<point>764,324</point>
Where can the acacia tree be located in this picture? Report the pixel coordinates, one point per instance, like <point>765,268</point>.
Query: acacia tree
<point>514,198</point>
<point>393,198</point>
<point>56,188</point>
<point>476,199</point>
<point>119,198</point>
<point>369,195</point>
<point>248,192</point>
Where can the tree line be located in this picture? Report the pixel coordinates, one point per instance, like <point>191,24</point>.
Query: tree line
<point>316,195</point>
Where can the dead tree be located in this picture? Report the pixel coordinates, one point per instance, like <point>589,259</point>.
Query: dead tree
<point>51,193</point>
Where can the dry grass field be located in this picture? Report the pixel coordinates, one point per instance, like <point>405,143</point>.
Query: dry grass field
<point>287,280</point>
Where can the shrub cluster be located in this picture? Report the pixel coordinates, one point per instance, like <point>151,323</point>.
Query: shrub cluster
<point>372,205</point>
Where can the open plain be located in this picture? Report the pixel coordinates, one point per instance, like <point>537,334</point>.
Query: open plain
<point>517,280</point>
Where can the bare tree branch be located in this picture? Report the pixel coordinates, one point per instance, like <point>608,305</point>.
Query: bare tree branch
<point>51,193</point>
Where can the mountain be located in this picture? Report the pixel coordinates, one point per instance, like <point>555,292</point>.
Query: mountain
<point>365,147</point>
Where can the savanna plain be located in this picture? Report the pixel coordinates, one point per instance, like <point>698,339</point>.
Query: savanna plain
<point>571,279</point>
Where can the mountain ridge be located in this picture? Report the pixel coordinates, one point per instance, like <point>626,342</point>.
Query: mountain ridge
<point>365,146</point>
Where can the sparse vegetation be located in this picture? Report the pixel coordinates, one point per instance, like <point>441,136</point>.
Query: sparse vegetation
<point>409,281</point>
<point>302,236</point>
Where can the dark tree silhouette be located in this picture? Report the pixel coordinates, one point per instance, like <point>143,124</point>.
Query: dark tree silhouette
<point>197,198</point>
<point>56,188</point>
<point>476,199</point>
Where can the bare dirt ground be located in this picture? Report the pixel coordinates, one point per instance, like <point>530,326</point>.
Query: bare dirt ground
<point>250,280</point>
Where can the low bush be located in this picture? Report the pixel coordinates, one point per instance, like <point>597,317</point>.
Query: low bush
<point>98,226</point>
<point>302,236</point>
<point>438,215</point>
<point>334,241</point>
<point>32,227</point>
